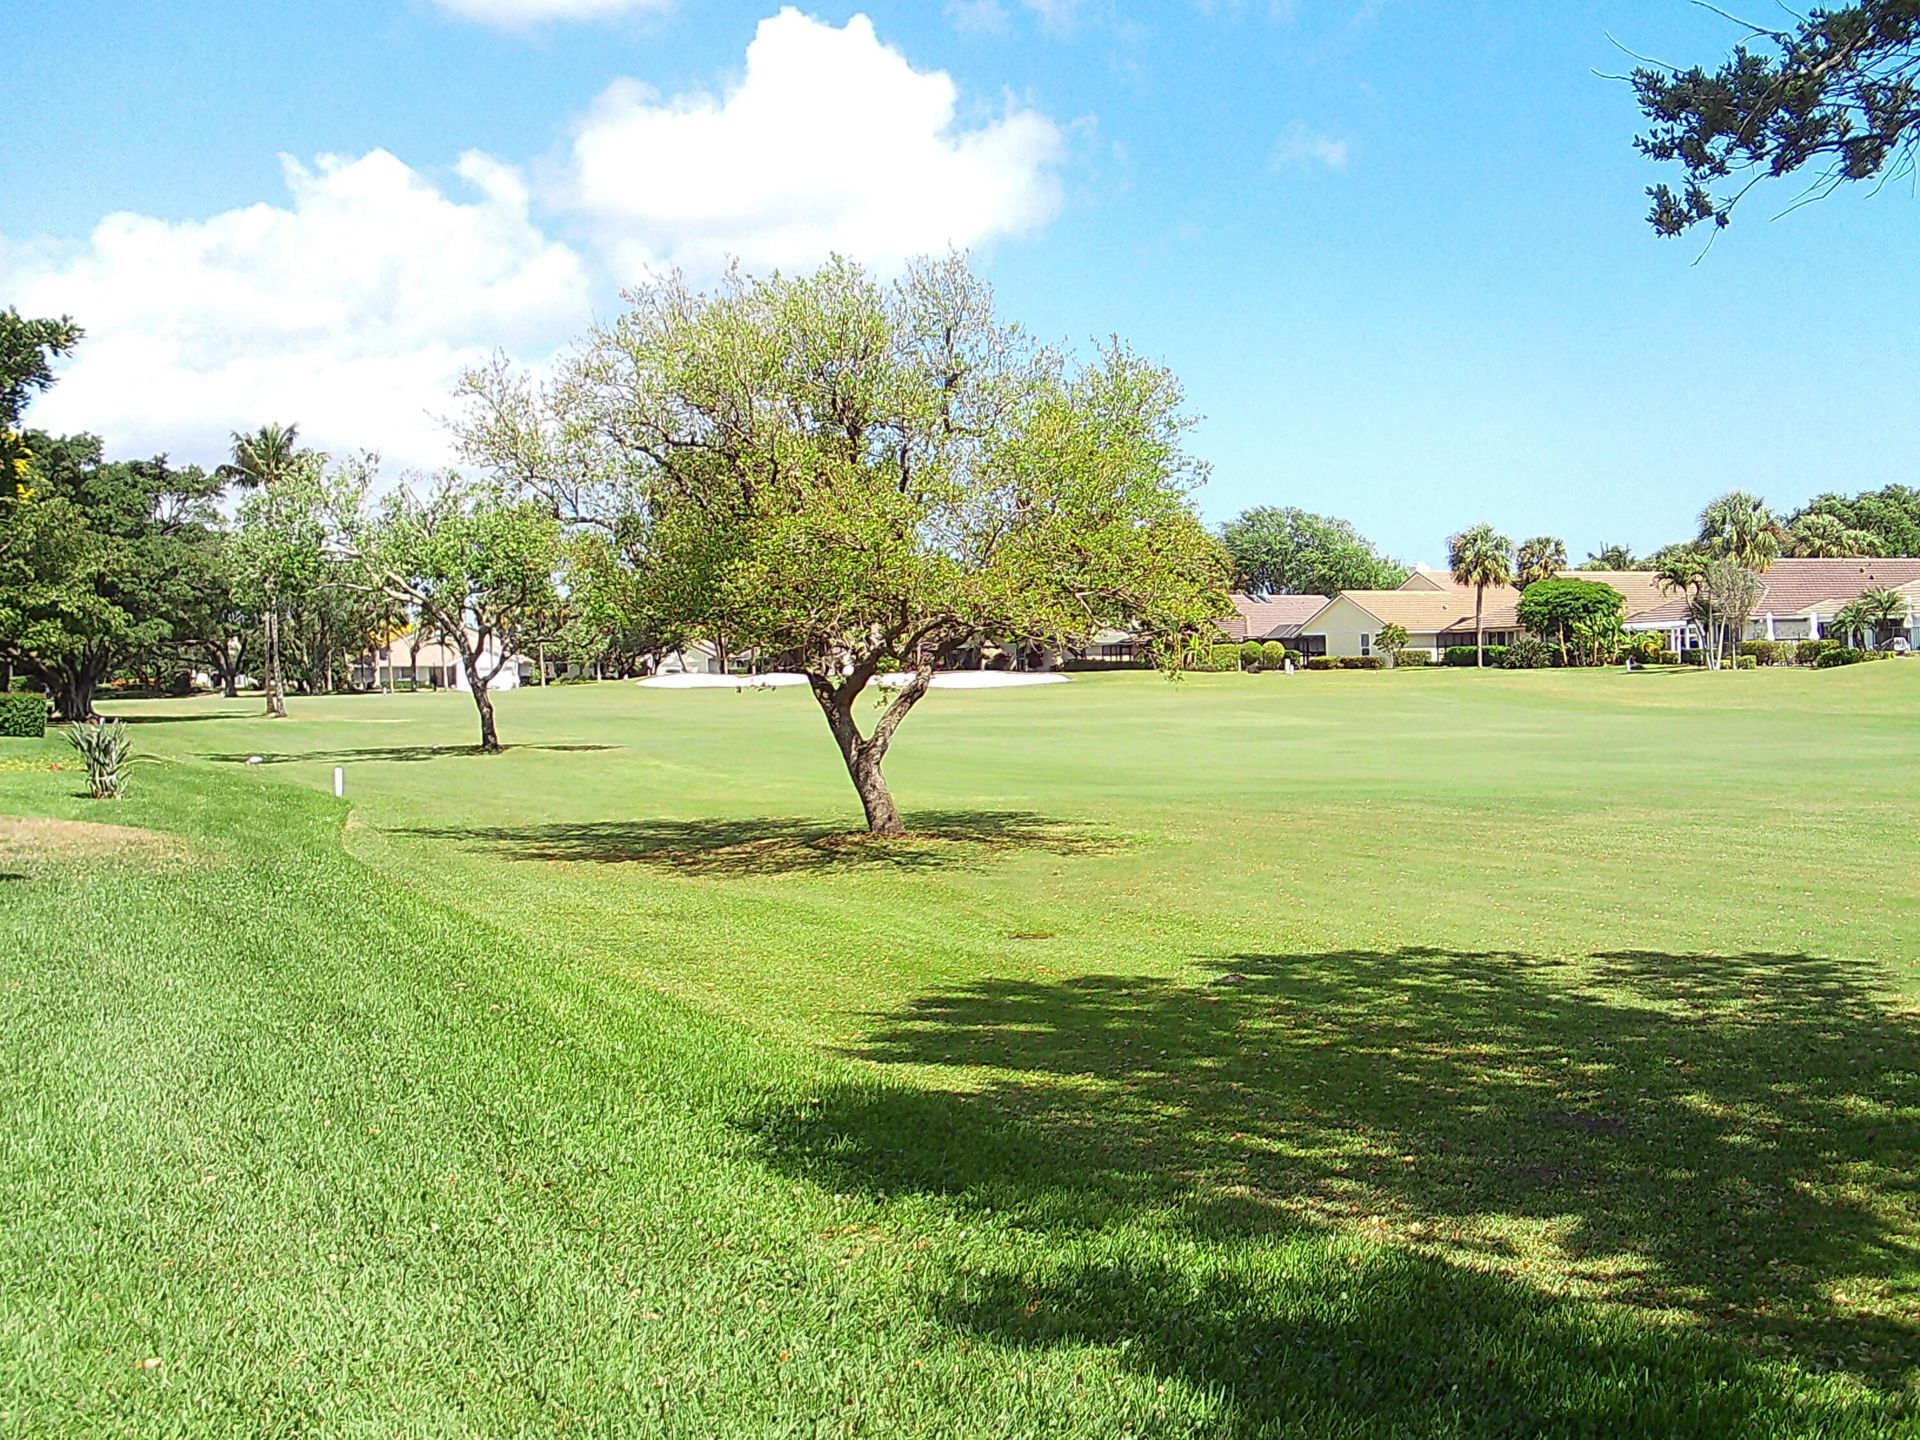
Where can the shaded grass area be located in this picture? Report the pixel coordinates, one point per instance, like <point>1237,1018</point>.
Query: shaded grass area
<point>772,845</point>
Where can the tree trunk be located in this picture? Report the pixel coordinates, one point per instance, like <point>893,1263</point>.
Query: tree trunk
<point>276,692</point>
<point>864,754</point>
<point>540,662</point>
<point>489,737</point>
<point>72,695</point>
<point>1479,632</point>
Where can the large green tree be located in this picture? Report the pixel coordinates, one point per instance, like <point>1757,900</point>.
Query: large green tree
<point>1480,556</point>
<point>100,561</point>
<point>1287,551</point>
<point>852,474</point>
<point>1739,527</point>
<point>1890,515</point>
<point>1834,94</point>
<point>28,349</point>
<point>1610,557</point>
<point>1817,535</point>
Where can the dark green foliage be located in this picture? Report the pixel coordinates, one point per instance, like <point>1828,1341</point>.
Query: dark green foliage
<point>1745,662</point>
<point>1768,652</point>
<point>1838,94</point>
<point>1283,550</point>
<point>1273,655</point>
<point>1463,655</point>
<point>1891,515</point>
<point>1362,662</point>
<point>1665,657</point>
<point>1693,657</point>
<point>1084,665</point>
<point>1251,655</point>
<point>27,351</point>
<point>23,715</point>
<point>1529,652</point>
<point>1322,662</point>
<point>1808,652</point>
<point>1415,658</point>
<point>1224,657</point>
<point>1561,611</point>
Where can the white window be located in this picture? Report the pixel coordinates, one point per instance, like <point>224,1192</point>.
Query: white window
<point>1366,645</point>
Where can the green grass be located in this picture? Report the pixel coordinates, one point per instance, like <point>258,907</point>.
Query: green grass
<point>1425,1054</point>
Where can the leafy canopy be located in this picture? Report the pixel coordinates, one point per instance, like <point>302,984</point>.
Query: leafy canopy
<point>1287,551</point>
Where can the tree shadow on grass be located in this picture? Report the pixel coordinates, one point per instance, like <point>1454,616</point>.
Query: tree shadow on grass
<point>379,754</point>
<point>936,839</point>
<point>1685,1168</point>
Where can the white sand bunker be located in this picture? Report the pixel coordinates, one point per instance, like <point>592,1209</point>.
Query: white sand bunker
<point>945,680</point>
<point>695,681</point>
<point>980,679</point>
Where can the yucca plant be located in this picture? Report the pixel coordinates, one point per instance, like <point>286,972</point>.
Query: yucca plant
<point>107,750</point>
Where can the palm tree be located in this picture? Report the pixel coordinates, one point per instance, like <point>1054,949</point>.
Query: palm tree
<point>1480,556</point>
<point>261,461</point>
<point>1740,527</point>
<point>1541,558</point>
<point>1610,557</point>
<point>1879,611</point>
<point>1820,536</point>
<point>1682,569</point>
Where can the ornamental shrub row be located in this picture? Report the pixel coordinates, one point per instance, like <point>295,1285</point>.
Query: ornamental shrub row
<point>1848,655</point>
<point>23,715</point>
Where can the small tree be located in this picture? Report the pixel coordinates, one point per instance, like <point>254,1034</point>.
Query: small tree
<point>1480,556</point>
<point>1391,640</point>
<point>473,563</point>
<point>854,474</point>
<point>267,460</point>
<point>1565,612</point>
<point>1724,604</point>
<point>1876,612</point>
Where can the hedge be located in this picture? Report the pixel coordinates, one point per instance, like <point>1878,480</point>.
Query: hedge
<point>1081,666</point>
<point>1250,656</point>
<point>1415,658</point>
<point>1848,655</point>
<point>1463,655</point>
<point>1361,662</point>
<point>1273,655</point>
<point>23,715</point>
<point>1808,652</point>
<point>1322,662</point>
<point>1768,652</point>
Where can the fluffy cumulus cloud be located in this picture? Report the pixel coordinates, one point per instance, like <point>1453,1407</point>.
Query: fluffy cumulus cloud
<point>351,309</point>
<point>519,13</point>
<point>830,141</point>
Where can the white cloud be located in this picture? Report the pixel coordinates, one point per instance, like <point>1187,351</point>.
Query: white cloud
<point>1303,148</point>
<point>517,13</point>
<point>830,141</point>
<point>352,310</point>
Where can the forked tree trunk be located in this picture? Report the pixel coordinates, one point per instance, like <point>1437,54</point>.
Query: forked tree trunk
<point>865,754</point>
<point>470,661</point>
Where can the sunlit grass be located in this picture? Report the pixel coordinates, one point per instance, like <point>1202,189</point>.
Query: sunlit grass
<point>1424,1054</point>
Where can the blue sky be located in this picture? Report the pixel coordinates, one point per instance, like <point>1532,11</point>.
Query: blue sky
<point>1395,248</point>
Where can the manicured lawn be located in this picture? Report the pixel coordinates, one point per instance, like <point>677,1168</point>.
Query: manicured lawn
<point>1426,1053</point>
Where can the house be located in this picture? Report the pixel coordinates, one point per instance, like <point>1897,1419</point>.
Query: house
<point>1798,601</point>
<point>1437,614</point>
<point>1272,617</point>
<point>430,662</point>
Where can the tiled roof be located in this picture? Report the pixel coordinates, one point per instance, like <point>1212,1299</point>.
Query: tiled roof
<point>1270,617</point>
<point>1802,587</point>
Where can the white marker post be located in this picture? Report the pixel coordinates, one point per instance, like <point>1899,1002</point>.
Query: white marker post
<point>339,782</point>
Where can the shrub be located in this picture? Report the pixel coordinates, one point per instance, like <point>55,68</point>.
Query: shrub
<point>1296,657</point>
<point>1224,657</point>
<point>1746,662</point>
<point>27,682</point>
<point>1415,658</point>
<point>1665,657</point>
<point>1273,655</point>
<point>1250,655</point>
<point>1361,662</point>
<point>1693,657</point>
<point>1529,652</point>
<point>105,748</point>
<point>23,716</point>
<point>1321,662</point>
<point>1767,652</point>
<point>1808,652</point>
<point>1840,655</point>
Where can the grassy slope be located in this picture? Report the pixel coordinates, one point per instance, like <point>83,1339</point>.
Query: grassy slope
<point>1566,1079</point>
